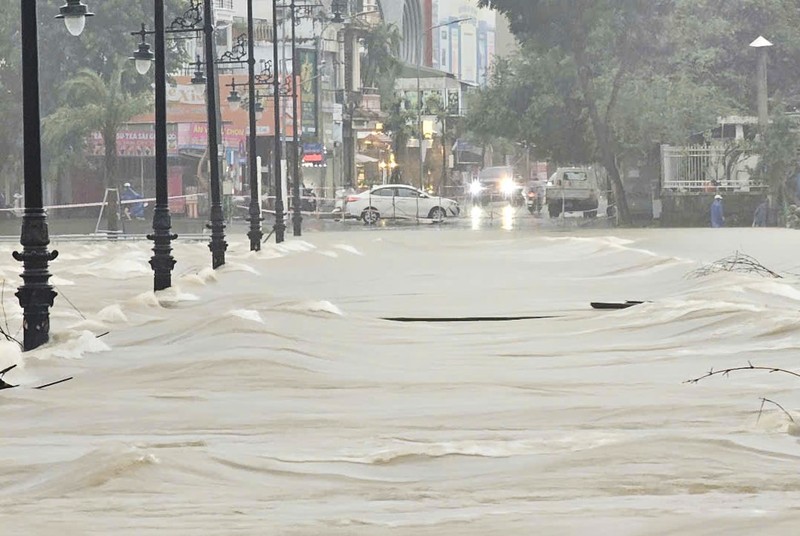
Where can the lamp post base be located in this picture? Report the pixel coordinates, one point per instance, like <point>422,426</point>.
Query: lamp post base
<point>35,296</point>
<point>280,231</point>
<point>255,234</point>
<point>218,246</point>
<point>162,261</point>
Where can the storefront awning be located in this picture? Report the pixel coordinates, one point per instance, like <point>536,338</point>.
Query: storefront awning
<point>364,159</point>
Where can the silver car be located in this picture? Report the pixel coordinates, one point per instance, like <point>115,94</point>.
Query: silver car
<point>398,201</point>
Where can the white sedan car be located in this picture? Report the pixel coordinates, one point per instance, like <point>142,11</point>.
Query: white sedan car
<point>398,201</point>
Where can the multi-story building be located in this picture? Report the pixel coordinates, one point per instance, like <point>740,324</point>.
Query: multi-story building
<point>465,49</point>
<point>334,110</point>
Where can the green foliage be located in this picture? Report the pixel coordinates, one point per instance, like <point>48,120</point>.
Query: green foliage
<point>606,80</point>
<point>777,150</point>
<point>380,66</point>
<point>400,124</point>
<point>105,42</point>
<point>92,104</point>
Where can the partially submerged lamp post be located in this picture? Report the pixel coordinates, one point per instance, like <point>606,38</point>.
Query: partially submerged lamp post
<point>162,261</point>
<point>297,217</point>
<point>36,295</point>
<point>217,225</point>
<point>280,226</point>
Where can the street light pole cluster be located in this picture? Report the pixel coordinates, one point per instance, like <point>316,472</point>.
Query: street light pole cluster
<point>36,295</point>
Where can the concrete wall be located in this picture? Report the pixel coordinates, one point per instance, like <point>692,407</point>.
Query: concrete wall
<point>694,209</point>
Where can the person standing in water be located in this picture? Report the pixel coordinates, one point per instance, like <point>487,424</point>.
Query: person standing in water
<point>717,215</point>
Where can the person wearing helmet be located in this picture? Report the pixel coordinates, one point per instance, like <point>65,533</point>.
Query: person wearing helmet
<point>717,215</point>
<point>132,210</point>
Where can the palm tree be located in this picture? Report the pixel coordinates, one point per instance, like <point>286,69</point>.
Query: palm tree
<point>381,65</point>
<point>93,104</point>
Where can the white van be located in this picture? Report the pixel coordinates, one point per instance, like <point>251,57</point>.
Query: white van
<point>572,189</point>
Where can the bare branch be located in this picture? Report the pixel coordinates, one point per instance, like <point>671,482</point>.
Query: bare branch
<point>765,400</point>
<point>750,366</point>
<point>738,262</point>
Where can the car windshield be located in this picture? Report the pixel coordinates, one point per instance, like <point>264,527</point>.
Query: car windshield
<point>575,176</point>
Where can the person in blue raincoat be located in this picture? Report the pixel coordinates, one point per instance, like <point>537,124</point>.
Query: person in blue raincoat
<point>717,215</point>
<point>134,210</point>
<point>761,214</point>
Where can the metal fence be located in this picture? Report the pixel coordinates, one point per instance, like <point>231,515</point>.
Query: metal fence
<point>706,168</point>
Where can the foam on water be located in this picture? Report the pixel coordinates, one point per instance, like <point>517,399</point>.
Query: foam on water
<point>72,345</point>
<point>112,314</point>
<point>321,306</point>
<point>247,314</point>
<point>349,249</point>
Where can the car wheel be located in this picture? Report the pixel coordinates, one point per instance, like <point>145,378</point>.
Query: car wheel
<point>370,216</point>
<point>437,214</point>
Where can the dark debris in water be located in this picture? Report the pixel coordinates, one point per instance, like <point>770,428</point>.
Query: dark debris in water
<point>738,262</point>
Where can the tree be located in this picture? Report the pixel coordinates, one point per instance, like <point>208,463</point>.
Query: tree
<point>777,163</point>
<point>380,66</point>
<point>400,124</point>
<point>104,43</point>
<point>94,104</point>
<point>609,79</point>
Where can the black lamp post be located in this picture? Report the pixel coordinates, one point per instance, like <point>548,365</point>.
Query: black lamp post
<point>254,212</point>
<point>190,21</point>
<point>255,111</point>
<point>36,295</point>
<point>217,225</point>
<point>280,226</point>
<point>297,217</point>
<point>162,261</point>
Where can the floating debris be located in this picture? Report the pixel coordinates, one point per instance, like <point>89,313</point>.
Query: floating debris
<point>738,262</point>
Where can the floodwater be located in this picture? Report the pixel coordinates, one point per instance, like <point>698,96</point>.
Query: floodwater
<point>271,398</point>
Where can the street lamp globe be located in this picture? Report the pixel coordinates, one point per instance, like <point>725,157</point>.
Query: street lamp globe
<point>199,77</point>
<point>74,13</point>
<point>234,100</point>
<point>142,58</point>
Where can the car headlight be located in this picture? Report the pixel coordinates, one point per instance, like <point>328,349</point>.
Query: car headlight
<point>475,188</point>
<point>507,186</point>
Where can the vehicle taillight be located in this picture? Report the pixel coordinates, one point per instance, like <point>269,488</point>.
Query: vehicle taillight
<point>351,199</point>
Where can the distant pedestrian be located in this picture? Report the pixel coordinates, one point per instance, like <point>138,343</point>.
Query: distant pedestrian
<point>761,214</point>
<point>717,215</point>
<point>132,210</point>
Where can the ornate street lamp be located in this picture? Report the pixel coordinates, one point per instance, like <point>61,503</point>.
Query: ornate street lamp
<point>337,6</point>
<point>280,226</point>
<point>36,295</point>
<point>190,22</point>
<point>74,13</point>
<point>218,246</point>
<point>162,261</point>
<point>297,217</point>
<point>235,101</point>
